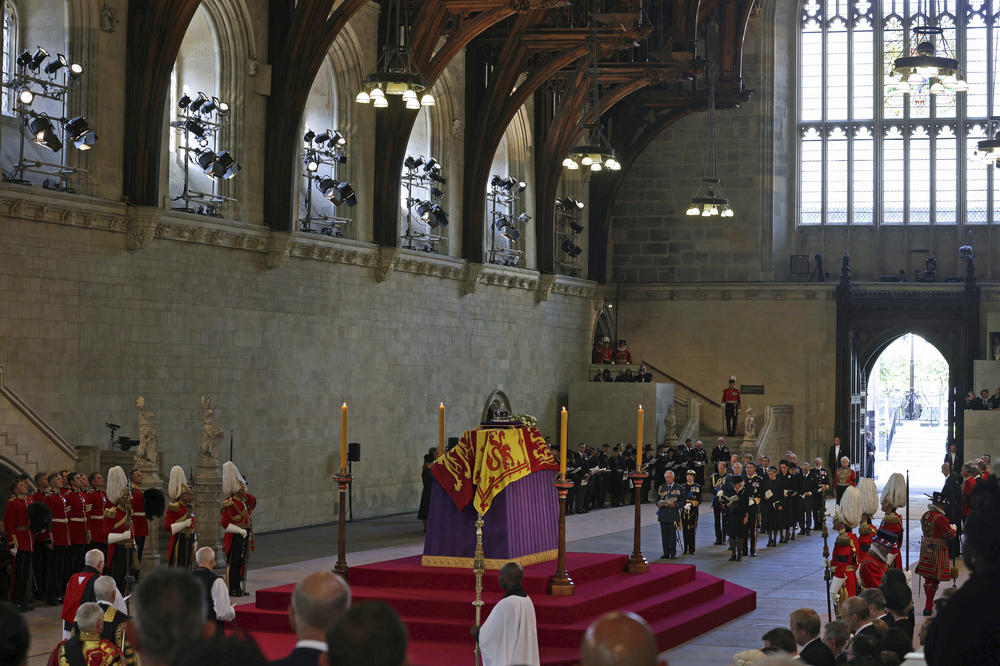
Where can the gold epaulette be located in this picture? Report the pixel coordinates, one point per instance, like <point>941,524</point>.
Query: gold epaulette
<point>865,529</point>
<point>110,513</point>
<point>227,502</point>
<point>843,540</point>
<point>174,506</point>
<point>892,518</point>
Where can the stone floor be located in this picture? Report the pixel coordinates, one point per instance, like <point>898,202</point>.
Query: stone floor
<point>785,577</point>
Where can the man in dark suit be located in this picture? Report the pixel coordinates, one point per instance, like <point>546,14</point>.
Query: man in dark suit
<point>952,456</point>
<point>855,612</point>
<point>835,453</point>
<point>805,624</point>
<point>836,636</point>
<point>318,600</point>
<point>952,491</point>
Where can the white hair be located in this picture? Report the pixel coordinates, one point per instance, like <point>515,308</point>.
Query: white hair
<point>105,588</point>
<point>89,616</point>
<point>94,558</point>
<point>204,556</point>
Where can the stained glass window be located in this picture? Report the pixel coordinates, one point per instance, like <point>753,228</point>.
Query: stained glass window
<point>866,156</point>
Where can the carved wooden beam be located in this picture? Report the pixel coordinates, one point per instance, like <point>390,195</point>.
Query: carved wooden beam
<point>297,55</point>
<point>735,15</point>
<point>155,31</point>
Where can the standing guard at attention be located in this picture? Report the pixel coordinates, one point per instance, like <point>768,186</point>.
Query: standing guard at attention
<point>846,550</point>
<point>934,564</point>
<point>689,514</point>
<point>668,506</point>
<point>122,563</point>
<point>731,400</point>
<point>179,521</point>
<point>236,510</point>
<point>891,529</point>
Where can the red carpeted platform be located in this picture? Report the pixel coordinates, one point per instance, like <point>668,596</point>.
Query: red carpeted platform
<point>436,605</point>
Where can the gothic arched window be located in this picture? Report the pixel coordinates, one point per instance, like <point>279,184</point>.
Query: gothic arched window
<point>868,156</point>
<point>10,42</point>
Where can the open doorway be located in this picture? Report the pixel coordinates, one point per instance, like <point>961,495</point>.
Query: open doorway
<point>907,411</point>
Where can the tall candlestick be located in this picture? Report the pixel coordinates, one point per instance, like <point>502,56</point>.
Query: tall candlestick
<point>441,430</point>
<point>562,444</point>
<point>638,439</point>
<point>343,438</point>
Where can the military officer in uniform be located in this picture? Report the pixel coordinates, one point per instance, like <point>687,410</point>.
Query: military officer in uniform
<point>179,521</point>
<point>689,513</point>
<point>236,510</point>
<point>668,514</point>
<point>20,543</point>
<point>934,564</point>
<point>736,517</point>
<point>697,458</point>
<point>821,486</point>
<point>660,465</point>
<point>754,489</point>
<point>719,479</point>
<point>88,647</point>
<point>731,400</point>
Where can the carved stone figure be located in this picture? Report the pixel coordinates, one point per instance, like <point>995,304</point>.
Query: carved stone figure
<point>749,427</point>
<point>108,18</point>
<point>210,434</point>
<point>670,420</point>
<point>148,439</point>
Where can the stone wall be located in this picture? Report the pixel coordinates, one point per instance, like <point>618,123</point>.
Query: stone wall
<point>781,336</point>
<point>87,326</point>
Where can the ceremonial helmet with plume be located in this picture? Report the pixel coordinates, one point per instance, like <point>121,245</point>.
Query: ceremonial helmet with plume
<point>178,482</point>
<point>869,496</point>
<point>232,480</point>
<point>849,512</point>
<point>117,485</point>
<point>894,493</point>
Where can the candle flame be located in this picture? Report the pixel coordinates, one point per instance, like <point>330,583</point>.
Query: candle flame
<point>640,406</point>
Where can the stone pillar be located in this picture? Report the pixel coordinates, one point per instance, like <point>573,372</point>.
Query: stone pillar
<point>207,498</point>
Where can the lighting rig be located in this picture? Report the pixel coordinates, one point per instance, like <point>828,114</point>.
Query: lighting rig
<point>200,121</point>
<point>325,151</point>
<point>425,216</point>
<point>568,228</point>
<point>35,80</point>
<point>503,195</point>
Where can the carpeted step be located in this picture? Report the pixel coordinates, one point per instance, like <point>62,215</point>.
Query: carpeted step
<point>680,627</point>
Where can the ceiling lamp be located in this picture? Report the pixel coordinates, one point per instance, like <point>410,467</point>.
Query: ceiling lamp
<point>597,154</point>
<point>931,67</point>
<point>395,74</point>
<point>709,200</point>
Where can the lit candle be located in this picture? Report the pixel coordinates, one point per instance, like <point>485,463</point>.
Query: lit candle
<point>638,438</point>
<point>343,438</point>
<point>562,445</point>
<point>441,430</point>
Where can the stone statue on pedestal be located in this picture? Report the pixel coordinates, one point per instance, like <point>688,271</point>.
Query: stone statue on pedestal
<point>149,441</point>
<point>210,434</point>
<point>147,460</point>
<point>670,420</point>
<point>749,427</point>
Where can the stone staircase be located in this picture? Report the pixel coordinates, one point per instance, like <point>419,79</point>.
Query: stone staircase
<point>917,448</point>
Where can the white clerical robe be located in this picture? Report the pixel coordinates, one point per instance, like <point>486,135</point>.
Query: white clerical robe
<point>509,635</point>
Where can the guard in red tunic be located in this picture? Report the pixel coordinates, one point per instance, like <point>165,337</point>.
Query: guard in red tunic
<point>846,549</point>
<point>88,648</point>
<point>934,564</point>
<point>970,473</point>
<point>76,510</point>
<point>869,505</point>
<point>874,564</point>
<point>122,563</point>
<point>20,542</point>
<point>56,501</point>
<point>236,521</point>
<point>179,521</point>
<point>98,501</point>
<point>731,400</point>
<point>844,477</point>
<point>41,561</point>
<point>140,525</point>
<point>622,355</point>
<point>602,351</point>
<point>891,529</point>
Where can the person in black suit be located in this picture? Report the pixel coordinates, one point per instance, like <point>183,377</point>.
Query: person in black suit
<point>855,612</point>
<point>952,456</point>
<point>836,636</point>
<point>952,491</point>
<point>318,600</point>
<point>836,452</point>
<point>805,624</point>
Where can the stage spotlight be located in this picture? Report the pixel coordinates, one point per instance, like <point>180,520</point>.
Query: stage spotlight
<point>436,193</point>
<point>57,63</point>
<point>206,160</point>
<point>571,248</point>
<point>520,186</point>
<point>184,101</point>
<point>523,218</point>
<point>197,103</point>
<point>510,233</point>
<point>23,60</point>
<point>437,216</point>
<point>337,139</point>
<point>309,136</point>
<point>25,96</point>
<point>501,222</point>
<point>223,107</point>
<point>323,137</point>
<point>437,177</point>
<point>576,226</point>
<point>209,105</point>
<point>80,133</point>
<point>422,209</point>
<point>226,166</point>
<point>327,187</point>
<point>347,194</point>
<point>496,182</point>
<point>75,71</point>
<point>43,131</point>
<point>36,59</point>
<point>569,205</point>
<point>311,165</point>
<point>432,164</point>
<point>413,162</point>
<point>340,158</point>
<point>195,127</point>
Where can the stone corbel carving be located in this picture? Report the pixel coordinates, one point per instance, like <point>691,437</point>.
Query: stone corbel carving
<point>140,230</point>
<point>545,284</point>
<point>472,277</point>
<point>386,263</point>
<point>280,249</point>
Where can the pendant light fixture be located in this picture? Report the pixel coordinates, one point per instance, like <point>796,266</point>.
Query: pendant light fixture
<point>931,66</point>
<point>597,153</point>
<point>395,73</point>
<point>710,200</point>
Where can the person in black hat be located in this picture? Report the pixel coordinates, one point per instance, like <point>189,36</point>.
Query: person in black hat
<point>689,512</point>
<point>697,458</point>
<point>934,564</point>
<point>898,600</point>
<point>427,479</point>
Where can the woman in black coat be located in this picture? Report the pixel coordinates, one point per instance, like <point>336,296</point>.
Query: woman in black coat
<point>425,495</point>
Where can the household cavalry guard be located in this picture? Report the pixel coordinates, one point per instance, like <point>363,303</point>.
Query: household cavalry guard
<point>122,563</point>
<point>846,550</point>
<point>179,521</point>
<point>869,505</point>
<point>934,563</point>
<point>689,513</point>
<point>238,544</point>
<point>891,528</point>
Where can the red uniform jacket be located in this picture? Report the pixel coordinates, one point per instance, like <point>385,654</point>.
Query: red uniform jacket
<point>871,570</point>
<point>115,521</point>
<point>176,512</point>
<point>601,354</point>
<point>15,523</point>
<point>892,529</point>
<point>934,561</point>
<point>76,510</point>
<point>967,487</point>
<point>237,512</point>
<point>731,395</point>
<point>76,588</point>
<point>60,517</point>
<point>95,516</point>
<point>45,536</point>
<point>845,477</point>
<point>866,532</point>
<point>623,357</point>
<point>140,526</point>
<point>91,648</point>
<point>845,561</point>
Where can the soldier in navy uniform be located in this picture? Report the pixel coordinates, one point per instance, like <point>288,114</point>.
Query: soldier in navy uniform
<point>681,458</point>
<point>786,512</point>
<point>821,485</point>
<point>697,458</point>
<point>689,512</point>
<point>719,479</point>
<point>671,496</point>
<point>736,517</point>
<point>731,401</point>
<point>754,488</point>
<point>660,465</point>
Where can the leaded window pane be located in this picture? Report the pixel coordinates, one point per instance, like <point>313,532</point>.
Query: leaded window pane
<point>863,177</point>
<point>976,181</point>
<point>946,176</point>
<point>893,177</point>
<point>811,178</point>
